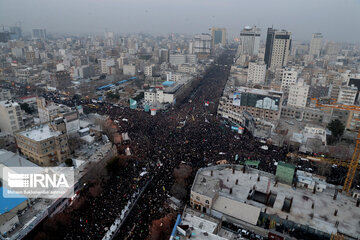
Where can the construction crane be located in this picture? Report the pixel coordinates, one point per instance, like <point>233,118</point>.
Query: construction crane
<point>356,155</point>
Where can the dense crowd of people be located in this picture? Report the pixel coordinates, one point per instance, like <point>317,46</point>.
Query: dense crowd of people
<point>189,134</point>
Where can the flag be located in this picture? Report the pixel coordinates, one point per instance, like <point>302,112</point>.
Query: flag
<point>207,103</point>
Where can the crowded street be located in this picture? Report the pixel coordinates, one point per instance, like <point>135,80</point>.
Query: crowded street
<point>158,146</point>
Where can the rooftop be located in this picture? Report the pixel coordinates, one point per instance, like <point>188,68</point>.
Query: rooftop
<point>198,226</point>
<point>10,159</point>
<point>321,217</point>
<point>6,204</point>
<point>40,133</point>
<point>9,103</point>
<point>258,91</point>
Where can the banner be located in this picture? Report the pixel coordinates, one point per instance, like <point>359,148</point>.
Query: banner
<point>237,99</point>
<point>147,108</point>
<point>133,104</point>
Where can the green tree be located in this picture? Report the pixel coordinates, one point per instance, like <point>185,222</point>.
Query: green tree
<point>337,128</point>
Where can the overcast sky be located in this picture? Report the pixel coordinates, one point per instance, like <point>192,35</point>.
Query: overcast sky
<point>338,20</point>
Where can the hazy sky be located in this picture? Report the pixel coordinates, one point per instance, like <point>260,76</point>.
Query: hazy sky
<point>338,20</point>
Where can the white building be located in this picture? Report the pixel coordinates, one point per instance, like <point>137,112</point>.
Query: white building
<point>129,70</point>
<point>154,96</point>
<point>122,61</point>
<point>202,44</point>
<point>5,94</point>
<point>315,45</point>
<point>46,111</point>
<point>185,68</point>
<point>289,77</point>
<point>177,59</point>
<point>23,73</point>
<point>60,67</point>
<point>298,94</point>
<point>278,44</point>
<point>10,116</point>
<point>149,70</point>
<point>191,58</point>
<point>107,66</point>
<point>191,47</point>
<point>347,95</point>
<point>312,131</point>
<point>174,76</point>
<point>256,73</point>
<point>249,41</point>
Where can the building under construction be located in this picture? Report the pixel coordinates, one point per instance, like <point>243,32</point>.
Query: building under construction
<point>296,202</point>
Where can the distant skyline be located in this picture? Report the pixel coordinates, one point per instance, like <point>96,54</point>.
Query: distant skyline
<point>337,20</point>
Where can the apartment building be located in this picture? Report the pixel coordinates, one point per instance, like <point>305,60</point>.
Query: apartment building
<point>347,95</point>
<point>261,104</point>
<point>289,77</point>
<point>256,73</point>
<point>298,94</point>
<point>10,116</point>
<point>278,46</point>
<point>45,144</point>
<point>5,94</point>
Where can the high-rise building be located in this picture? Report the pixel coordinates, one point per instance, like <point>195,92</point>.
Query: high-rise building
<point>332,48</point>
<point>149,70</point>
<point>256,73</point>
<point>164,55</point>
<point>347,95</point>
<point>107,66</point>
<point>4,36</point>
<point>289,77</point>
<point>249,40</point>
<point>10,116</point>
<point>39,33</point>
<point>278,45</point>
<point>315,45</point>
<point>218,36</point>
<point>191,47</point>
<point>15,33</point>
<point>177,59</point>
<point>202,45</point>
<point>298,94</point>
<point>109,39</point>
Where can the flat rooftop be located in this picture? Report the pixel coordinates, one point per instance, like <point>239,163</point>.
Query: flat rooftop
<point>321,217</point>
<point>202,226</point>
<point>40,133</point>
<point>8,103</point>
<point>7,204</point>
<point>10,159</point>
<point>258,91</point>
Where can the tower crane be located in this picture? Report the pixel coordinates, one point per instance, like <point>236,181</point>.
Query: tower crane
<point>356,155</point>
